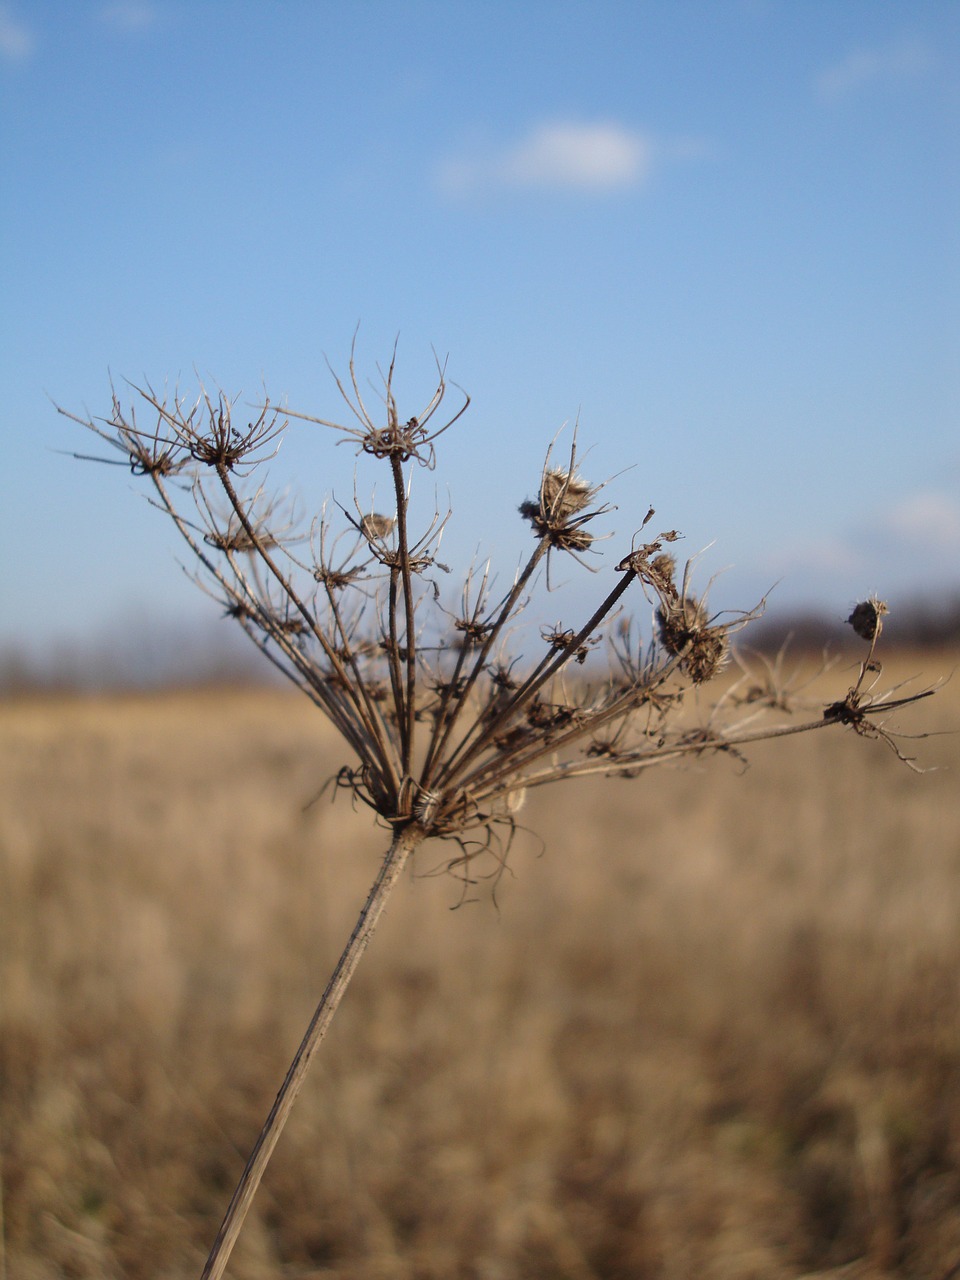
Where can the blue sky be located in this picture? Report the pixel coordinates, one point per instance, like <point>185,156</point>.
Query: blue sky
<point>727,235</point>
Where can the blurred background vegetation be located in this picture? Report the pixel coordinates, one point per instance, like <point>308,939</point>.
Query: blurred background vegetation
<point>709,1027</point>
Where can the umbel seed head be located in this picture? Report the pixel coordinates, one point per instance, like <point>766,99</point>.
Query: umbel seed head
<point>685,631</point>
<point>867,618</point>
<point>446,725</point>
<point>563,493</point>
<point>561,509</point>
<point>377,526</point>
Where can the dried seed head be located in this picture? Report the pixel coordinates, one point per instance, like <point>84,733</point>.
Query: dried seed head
<point>377,526</point>
<point>502,678</point>
<point>559,513</point>
<point>563,493</point>
<point>685,630</point>
<point>556,637</point>
<point>241,611</point>
<point>236,539</point>
<point>471,631</point>
<point>219,444</point>
<point>680,622</point>
<point>866,618</point>
<point>559,639</point>
<point>708,652</point>
<point>661,572</point>
<point>336,579</point>
<point>573,540</point>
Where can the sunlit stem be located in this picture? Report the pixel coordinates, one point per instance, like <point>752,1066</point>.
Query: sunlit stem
<point>404,842</point>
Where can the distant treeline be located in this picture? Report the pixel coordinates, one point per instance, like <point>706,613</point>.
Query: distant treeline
<point>919,624</point>
<point>205,656</point>
<point>158,657</point>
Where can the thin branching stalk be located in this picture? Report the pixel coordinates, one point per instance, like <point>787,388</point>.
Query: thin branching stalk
<point>447,726</point>
<point>549,666</point>
<point>462,701</point>
<point>408,700</point>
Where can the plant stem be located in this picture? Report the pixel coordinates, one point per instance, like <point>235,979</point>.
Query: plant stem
<point>405,840</point>
<point>549,665</point>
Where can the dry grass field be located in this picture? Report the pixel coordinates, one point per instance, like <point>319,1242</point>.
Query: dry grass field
<point>710,1027</point>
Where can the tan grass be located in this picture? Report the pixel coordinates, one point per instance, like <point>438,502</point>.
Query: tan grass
<point>714,1030</point>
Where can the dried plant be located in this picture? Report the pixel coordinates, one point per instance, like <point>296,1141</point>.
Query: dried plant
<point>447,727</point>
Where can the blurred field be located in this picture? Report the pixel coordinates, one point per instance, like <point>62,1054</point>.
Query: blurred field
<point>711,1030</point>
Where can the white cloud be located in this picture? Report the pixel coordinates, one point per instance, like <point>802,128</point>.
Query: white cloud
<point>562,155</point>
<point>16,38</point>
<point>907,548</point>
<point>928,519</point>
<point>865,67</point>
<point>129,16</point>
<point>830,557</point>
<point>578,155</point>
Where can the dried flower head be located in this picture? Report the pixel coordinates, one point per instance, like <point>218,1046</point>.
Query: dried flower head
<point>564,494</point>
<point>447,728</point>
<point>560,512</point>
<point>377,526</point>
<point>398,440</point>
<point>867,618</point>
<point>563,507</point>
<point>687,632</point>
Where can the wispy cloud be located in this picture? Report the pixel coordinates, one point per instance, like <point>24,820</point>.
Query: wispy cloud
<point>129,16</point>
<point>908,548</point>
<point>820,559</point>
<point>559,155</point>
<point>863,68</point>
<point>16,38</point>
<point>929,520</point>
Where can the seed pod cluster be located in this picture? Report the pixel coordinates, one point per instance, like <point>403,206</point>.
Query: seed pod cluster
<point>686,632</point>
<point>867,618</point>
